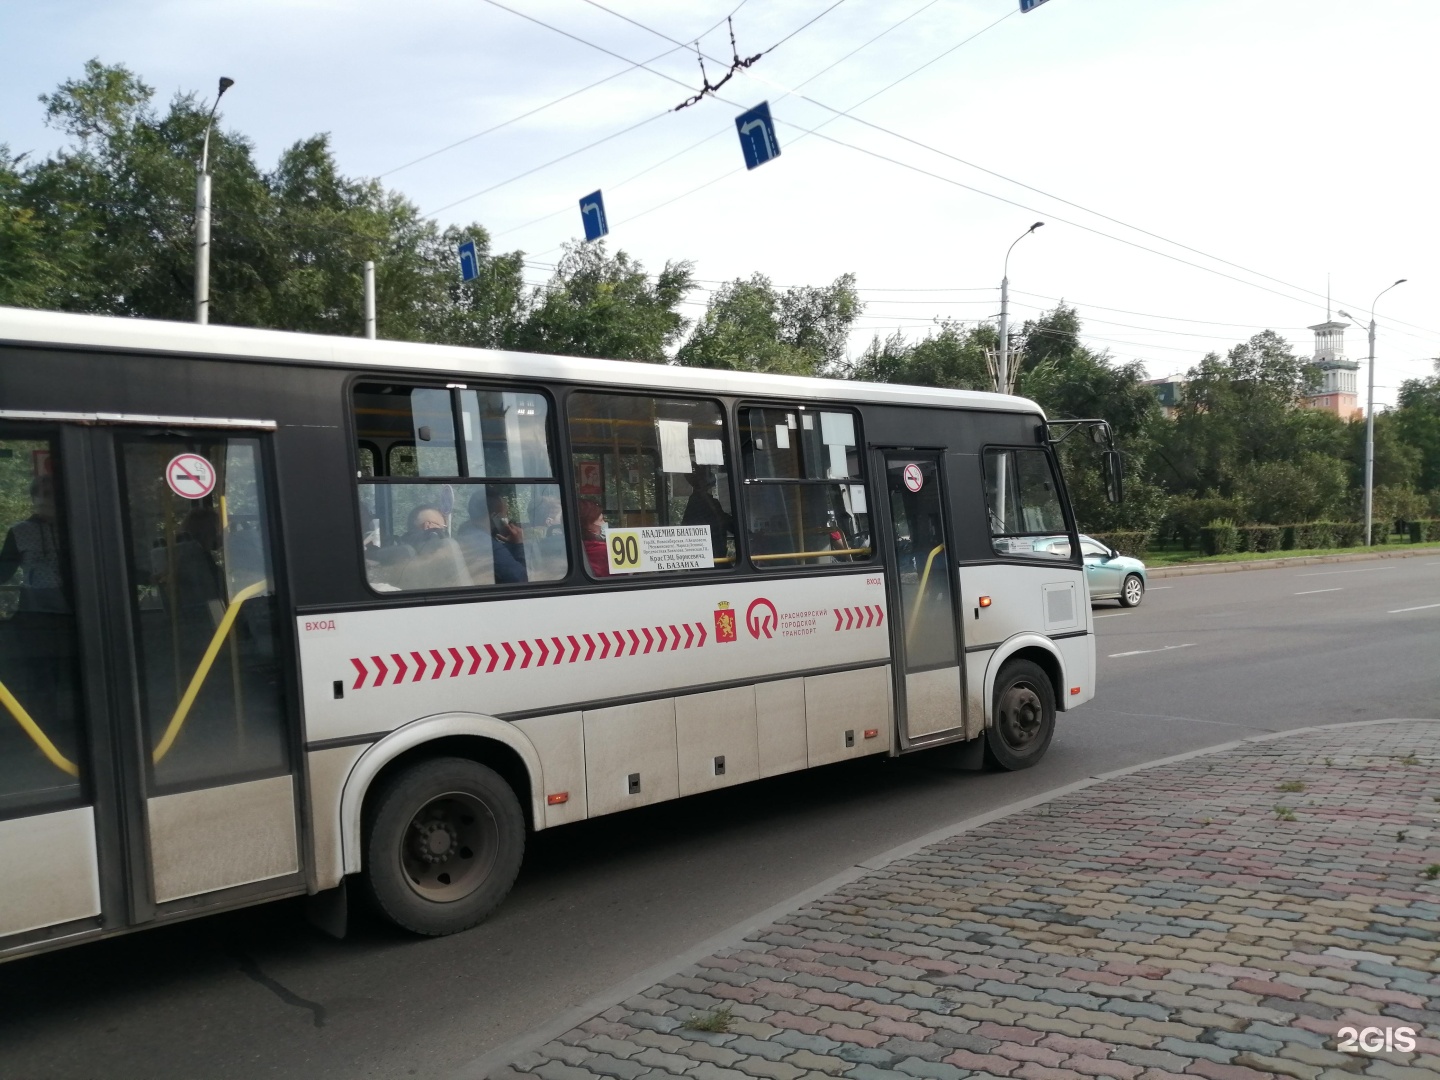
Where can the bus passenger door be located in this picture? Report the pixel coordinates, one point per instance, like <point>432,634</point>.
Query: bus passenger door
<point>930,700</point>
<point>211,721</point>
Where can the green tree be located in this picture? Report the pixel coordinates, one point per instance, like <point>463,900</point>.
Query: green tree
<point>606,306</point>
<point>750,325</point>
<point>1417,423</point>
<point>952,357</point>
<point>106,225</point>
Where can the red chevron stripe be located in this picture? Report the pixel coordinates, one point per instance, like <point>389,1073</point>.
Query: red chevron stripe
<point>881,610</point>
<point>620,638</point>
<point>381,670</point>
<point>363,670</point>
<point>660,634</point>
<point>591,642</point>
<point>574,649</point>
<point>689,635</point>
<point>634,642</point>
<point>494,658</point>
<point>837,618</point>
<point>459,661</point>
<point>559,651</point>
<point>605,641</point>
<point>509,655</point>
<point>439,663</point>
<point>419,666</point>
<point>399,675</point>
<point>475,657</point>
<point>526,652</point>
<point>649,640</point>
<point>543,649</point>
<point>701,627</point>
<point>674,638</point>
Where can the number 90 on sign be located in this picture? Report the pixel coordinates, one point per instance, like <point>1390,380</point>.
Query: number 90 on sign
<point>624,548</point>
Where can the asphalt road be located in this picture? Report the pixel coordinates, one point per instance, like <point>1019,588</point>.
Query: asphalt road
<point>1204,660</point>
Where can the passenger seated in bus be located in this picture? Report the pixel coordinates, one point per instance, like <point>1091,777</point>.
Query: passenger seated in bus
<point>490,528</point>
<point>592,532</point>
<point>435,560</point>
<point>545,558</point>
<point>703,508</point>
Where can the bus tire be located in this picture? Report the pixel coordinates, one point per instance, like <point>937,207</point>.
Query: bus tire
<point>444,845</point>
<point>1023,720</point>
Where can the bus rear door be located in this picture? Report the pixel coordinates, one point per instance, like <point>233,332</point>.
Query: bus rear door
<point>147,718</point>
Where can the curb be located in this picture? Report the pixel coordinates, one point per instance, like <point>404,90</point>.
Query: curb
<point>1275,564</point>
<point>508,1051</point>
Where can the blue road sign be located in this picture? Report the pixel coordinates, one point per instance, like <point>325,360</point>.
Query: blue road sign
<point>469,261</point>
<point>592,216</point>
<point>757,135</point>
<point>1029,5</point>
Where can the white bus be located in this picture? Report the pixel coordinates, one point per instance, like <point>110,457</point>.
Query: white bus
<point>280,611</point>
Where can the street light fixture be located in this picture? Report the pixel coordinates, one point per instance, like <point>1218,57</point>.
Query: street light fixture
<point>202,215</point>
<point>1370,415</point>
<point>1002,374</point>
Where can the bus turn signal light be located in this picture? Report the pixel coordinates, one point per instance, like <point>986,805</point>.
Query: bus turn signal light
<point>558,799</point>
<point>1074,690</point>
<point>984,601</point>
<point>871,732</point>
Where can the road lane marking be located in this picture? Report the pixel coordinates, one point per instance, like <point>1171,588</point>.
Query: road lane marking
<point>1160,588</point>
<point>1312,592</point>
<point>1112,615</point>
<point>1182,719</point>
<point>1167,648</point>
<point>1330,573</point>
<point>1402,610</point>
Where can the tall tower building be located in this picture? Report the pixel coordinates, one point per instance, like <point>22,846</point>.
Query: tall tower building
<point>1335,391</point>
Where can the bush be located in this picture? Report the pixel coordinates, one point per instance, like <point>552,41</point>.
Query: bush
<point>1219,537</point>
<point>1260,537</point>
<point>1134,544</point>
<point>1424,529</point>
<point>1348,533</point>
<point>1186,517</point>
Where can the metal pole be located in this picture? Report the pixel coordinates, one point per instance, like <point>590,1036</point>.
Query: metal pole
<point>1370,419</point>
<point>202,215</point>
<point>1001,362</point>
<point>1370,436</point>
<point>1002,366</point>
<point>202,245</point>
<point>369,299</point>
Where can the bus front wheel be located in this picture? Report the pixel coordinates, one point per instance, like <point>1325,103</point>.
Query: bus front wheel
<point>1024,716</point>
<point>445,841</point>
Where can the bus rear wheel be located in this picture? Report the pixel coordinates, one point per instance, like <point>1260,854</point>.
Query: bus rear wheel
<point>445,841</point>
<point>1023,718</point>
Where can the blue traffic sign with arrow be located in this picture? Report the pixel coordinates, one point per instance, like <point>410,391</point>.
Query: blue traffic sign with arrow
<point>757,135</point>
<point>469,261</point>
<point>592,216</point>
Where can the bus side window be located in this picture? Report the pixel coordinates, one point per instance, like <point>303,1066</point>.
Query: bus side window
<point>1023,504</point>
<point>657,462</point>
<point>454,513</point>
<point>805,502</point>
<point>41,751</point>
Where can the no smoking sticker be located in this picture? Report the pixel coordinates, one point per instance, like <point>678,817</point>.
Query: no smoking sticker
<point>190,476</point>
<point>914,479</point>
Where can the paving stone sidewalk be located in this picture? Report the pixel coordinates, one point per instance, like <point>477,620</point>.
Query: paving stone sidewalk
<point>1223,916</point>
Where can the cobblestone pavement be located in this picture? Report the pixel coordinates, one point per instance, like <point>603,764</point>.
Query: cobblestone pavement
<point>1223,916</point>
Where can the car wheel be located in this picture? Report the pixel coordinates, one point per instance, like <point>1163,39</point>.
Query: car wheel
<point>1133,591</point>
<point>1023,717</point>
<point>445,840</point>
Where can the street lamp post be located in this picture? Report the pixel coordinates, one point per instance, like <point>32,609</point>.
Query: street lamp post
<point>1370,416</point>
<point>1002,374</point>
<point>202,216</point>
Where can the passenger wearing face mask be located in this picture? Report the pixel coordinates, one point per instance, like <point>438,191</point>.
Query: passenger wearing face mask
<point>436,561</point>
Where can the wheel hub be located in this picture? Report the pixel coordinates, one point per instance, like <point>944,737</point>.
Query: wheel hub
<point>434,841</point>
<point>1020,715</point>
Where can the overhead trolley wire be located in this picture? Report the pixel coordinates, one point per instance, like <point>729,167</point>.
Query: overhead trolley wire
<point>1001,176</point>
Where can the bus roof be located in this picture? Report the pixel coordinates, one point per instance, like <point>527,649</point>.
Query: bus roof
<point>22,326</point>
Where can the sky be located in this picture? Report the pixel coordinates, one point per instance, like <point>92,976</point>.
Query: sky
<point>1202,166</point>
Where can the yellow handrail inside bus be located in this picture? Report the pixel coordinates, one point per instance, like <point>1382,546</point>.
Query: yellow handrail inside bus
<point>920,594</point>
<point>182,711</point>
<point>48,748</point>
<point>810,554</point>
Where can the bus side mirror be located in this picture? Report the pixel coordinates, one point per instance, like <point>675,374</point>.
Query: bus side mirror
<point>1111,469</point>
